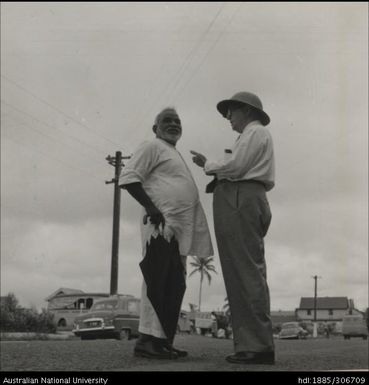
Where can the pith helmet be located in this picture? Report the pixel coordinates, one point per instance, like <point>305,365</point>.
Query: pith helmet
<point>244,98</point>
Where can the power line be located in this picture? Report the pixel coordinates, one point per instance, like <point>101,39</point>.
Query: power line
<point>49,137</point>
<point>58,110</point>
<point>183,66</point>
<point>54,128</point>
<point>210,49</point>
<point>73,167</point>
<point>200,41</point>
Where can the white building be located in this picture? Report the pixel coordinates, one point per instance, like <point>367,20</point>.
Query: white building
<point>327,308</point>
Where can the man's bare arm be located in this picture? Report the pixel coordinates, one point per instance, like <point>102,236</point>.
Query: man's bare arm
<point>137,191</point>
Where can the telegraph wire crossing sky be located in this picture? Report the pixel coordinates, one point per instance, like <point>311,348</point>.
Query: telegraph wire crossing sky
<point>82,81</point>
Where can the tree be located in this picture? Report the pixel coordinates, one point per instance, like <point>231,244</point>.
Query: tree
<point>226,307</point>
<point>14,318</point>
<point>204,267</point>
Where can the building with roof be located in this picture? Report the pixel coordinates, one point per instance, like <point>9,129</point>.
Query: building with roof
<point>327,308</point>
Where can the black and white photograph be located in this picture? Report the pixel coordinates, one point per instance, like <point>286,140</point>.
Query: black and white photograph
<point>184,188</point>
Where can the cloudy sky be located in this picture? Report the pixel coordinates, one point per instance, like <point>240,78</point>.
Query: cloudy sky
<point>80,81</point>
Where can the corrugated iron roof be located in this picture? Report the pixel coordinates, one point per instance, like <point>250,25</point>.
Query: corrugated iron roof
<point>63,291</point>
<point>324,303</point>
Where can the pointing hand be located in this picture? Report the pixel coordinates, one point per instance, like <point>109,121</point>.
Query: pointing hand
<point>198,158</point>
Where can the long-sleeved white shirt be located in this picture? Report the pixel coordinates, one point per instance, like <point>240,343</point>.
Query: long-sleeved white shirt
<point>251,158</point>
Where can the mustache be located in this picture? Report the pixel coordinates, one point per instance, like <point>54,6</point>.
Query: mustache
<point>176,129</point>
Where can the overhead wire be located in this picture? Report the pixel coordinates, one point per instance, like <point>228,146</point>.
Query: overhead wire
<point>58,110</point>
<point>179,73</point>
<point>40,132</point>
<point>53,127</point>
<point>73,167</point>
<point>201,39</point>
<point>208,52</point>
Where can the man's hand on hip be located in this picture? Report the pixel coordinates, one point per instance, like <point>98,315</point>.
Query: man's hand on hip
<point>155,215</point>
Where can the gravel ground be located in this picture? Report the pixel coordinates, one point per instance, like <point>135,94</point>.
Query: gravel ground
<point>205,354</point>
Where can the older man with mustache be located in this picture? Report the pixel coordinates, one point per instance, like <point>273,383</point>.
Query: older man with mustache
<point>159,179</point>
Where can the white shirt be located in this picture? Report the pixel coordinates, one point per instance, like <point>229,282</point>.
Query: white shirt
<point>252,158</point>
<point>169,183</point>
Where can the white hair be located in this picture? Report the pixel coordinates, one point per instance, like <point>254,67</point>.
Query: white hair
<point>162,112</point>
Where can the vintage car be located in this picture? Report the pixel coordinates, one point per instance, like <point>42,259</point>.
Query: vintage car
<point>292,330</point>
<point>184,323</point>
<point>113,317</point>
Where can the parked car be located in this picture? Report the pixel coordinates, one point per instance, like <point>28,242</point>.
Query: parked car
<point>184,323</point>
<point>292,330</point>
<point>113,317</point>
<point>354,326</point>
<point>206,323</point>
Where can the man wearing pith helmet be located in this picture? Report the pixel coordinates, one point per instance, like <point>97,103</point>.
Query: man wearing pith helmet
<point>241,219</point>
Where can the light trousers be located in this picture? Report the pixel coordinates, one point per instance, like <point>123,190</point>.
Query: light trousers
<point>241,219</point>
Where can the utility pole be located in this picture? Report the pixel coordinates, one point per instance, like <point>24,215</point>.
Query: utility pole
<point>118,164</point>
<point>315,302</point>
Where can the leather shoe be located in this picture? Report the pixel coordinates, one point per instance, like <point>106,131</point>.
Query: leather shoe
<point>164,344</point>
<point>163,349</point>
<point>249,358</point>
<point>179,352</point>
<point>147,350</point>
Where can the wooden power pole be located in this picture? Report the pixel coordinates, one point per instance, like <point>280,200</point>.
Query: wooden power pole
<point>118,164</point>
<point>315,294</point>
<point>315,330</point>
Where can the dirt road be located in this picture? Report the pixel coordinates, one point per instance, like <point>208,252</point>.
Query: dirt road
<point>205,354</point>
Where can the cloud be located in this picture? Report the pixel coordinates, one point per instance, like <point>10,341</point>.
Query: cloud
<point>307,62</point>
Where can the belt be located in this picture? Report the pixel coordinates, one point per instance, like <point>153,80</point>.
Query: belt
<point>215,182</point>
<point>223,181</point>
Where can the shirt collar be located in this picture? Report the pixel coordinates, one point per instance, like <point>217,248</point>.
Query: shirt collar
<point>251,124</point>
<point>165,142</point>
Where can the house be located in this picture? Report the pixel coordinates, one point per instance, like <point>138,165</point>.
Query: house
<point>327,309</point>
<point>61,292</point>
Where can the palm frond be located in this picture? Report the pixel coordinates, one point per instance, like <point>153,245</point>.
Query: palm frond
<point>208,276</point>
<point>212,268</point>
<point>192,272</point>
<point>194,264</point>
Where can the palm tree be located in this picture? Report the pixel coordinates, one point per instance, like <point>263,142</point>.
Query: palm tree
<point>226,307</point>
<point>204,267</point>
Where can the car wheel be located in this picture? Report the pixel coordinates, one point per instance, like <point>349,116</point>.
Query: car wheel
<point>124,334</point>
<point>62,323</point>
<point>84,338</point>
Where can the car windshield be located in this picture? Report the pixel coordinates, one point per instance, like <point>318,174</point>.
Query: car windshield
<point>105,305</point>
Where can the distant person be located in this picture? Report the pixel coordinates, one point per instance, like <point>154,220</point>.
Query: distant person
<point>241,219</point>
<point>159,179</point>
<point>327,330</point>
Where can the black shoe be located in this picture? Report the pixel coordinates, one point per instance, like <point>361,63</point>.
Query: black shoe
<point>249,358</point>
<point>171,352</point>
<point>168,347</point>
<point>179,352</point>
<point>147,350</point>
